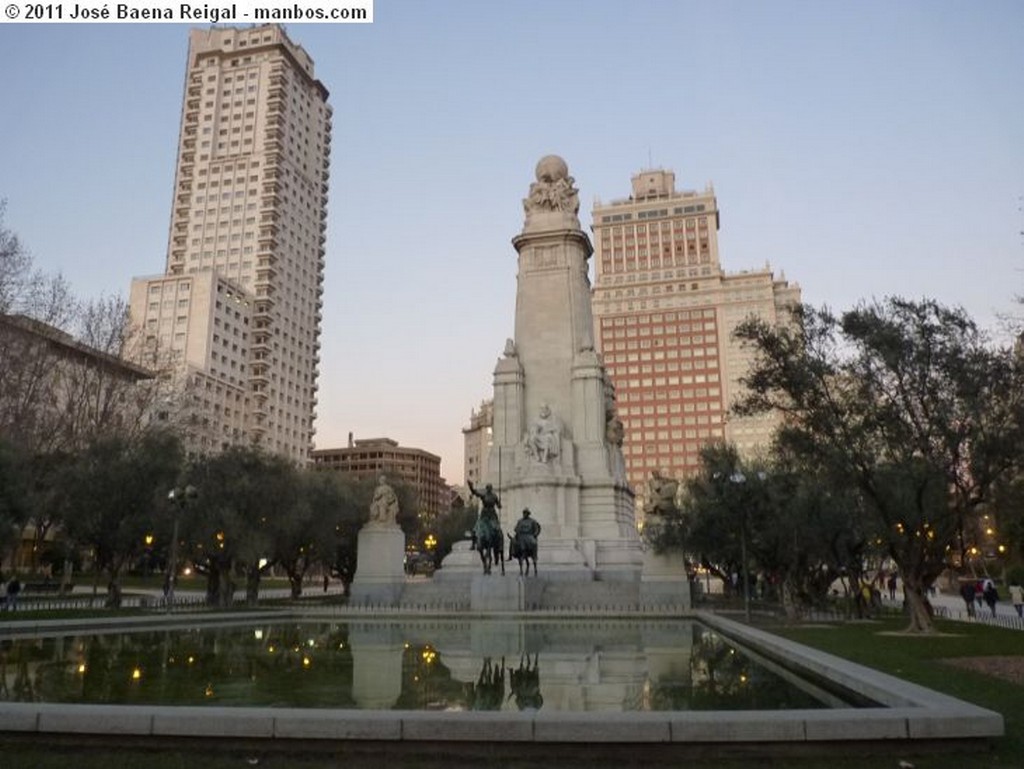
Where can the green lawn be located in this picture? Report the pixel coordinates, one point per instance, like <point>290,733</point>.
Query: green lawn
<point>919,659</point>
<point>877,644</point>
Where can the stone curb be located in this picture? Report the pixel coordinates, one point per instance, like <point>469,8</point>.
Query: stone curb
<point>907,711</point>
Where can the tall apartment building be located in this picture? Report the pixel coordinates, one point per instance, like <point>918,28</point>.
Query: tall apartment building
<point>476,441</point>
<point>373,456</point>
<point>664,313</point>
<point>239,306</point>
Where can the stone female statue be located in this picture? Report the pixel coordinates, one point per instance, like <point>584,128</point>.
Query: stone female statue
<point>384,506</point>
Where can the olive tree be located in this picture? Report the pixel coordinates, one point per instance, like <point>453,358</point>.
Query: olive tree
<point>230,527</point>
<point>905,402</point>
<point>109,495</point>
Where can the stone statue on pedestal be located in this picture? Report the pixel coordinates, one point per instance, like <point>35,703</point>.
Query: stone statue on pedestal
<point>661,495</point>
<point>380,575</point>
<point>384,506</point>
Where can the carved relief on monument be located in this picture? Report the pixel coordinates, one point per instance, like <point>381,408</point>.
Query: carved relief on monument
<point>543,441</point>
<point>614,433</point>
<point>542,258</point>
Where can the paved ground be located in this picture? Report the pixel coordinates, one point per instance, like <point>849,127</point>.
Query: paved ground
<point>955,608</point>
<point>132,596</point>
<point>948,605</point>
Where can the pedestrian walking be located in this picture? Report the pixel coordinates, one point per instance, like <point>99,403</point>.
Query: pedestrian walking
<point>13,588</point>
<point>891,584</point>
<point>1017,598</point>
<point>991,596</point>
<point>967,593</point>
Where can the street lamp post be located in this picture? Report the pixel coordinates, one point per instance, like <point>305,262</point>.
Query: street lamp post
<point>179,498</point>
<point>739,479</point>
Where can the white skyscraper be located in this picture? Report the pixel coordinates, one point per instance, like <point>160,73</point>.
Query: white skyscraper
<point>238,309</point>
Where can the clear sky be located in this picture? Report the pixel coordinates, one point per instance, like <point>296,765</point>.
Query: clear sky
<point>862,148</point>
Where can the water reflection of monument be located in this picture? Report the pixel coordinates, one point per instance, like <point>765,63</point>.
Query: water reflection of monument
<point>557,440</point>
<point>443,663</point>
<point>376,664</point>
<point>511,665</point>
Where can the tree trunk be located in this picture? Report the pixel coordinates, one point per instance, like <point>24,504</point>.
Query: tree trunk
<point>225,589</point>
<point>790,604</point>
<point>38,540</point>
<point>220,590</point>
<point>252,585</point>
<point>213,584</point>
<point>918,607</point>
<point>65,578</point>
<point>113,593</point>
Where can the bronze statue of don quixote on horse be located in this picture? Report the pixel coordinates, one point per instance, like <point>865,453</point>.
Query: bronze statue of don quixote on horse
<point>488,539</point>
<point>487,536</point>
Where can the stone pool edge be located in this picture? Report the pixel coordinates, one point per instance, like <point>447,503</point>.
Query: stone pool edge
<point>911,712</point>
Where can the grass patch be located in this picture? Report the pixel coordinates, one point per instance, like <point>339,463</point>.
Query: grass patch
<point>921,659</point>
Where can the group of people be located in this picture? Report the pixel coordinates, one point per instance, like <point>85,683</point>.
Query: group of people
<point>975,593</point>
<point>984,591</point>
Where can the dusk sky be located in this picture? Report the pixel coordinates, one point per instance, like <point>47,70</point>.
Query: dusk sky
<point>863,149</point>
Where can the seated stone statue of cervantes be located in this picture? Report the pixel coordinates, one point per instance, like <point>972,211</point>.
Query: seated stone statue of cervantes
<point>544,437</point>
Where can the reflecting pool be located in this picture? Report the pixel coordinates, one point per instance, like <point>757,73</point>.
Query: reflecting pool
<point>439,664</point>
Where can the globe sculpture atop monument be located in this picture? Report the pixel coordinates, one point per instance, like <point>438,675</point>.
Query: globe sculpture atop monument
<point>551,168</point>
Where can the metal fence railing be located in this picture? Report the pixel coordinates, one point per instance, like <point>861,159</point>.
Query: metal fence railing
<point>981,616</point>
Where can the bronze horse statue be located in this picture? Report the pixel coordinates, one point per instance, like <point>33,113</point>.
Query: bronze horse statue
<point>492,549</point>
<point>523,548</point>
<point>523,544</point>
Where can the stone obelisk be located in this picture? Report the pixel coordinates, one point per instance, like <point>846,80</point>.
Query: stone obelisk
<point>556,439</point>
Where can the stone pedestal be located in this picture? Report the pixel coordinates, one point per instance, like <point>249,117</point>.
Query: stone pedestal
<point>460,565</point>
<point>664,580</point>
<point>489,592</point>
<point>380,574</point>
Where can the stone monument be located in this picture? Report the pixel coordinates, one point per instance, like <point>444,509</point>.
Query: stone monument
<point>665,580</point>
<point>380,573</point>
<point>557,442</point>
